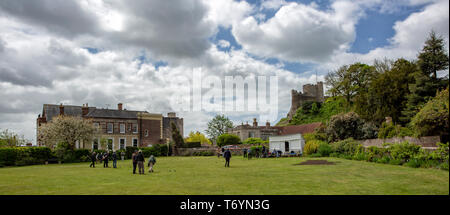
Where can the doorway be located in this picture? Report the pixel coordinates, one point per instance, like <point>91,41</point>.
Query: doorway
<point>286,146</point>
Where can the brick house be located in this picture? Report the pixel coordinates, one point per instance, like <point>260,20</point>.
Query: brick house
<point>119,127</point>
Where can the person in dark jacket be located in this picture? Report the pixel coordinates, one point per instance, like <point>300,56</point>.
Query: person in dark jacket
<point>114,158</point>
<point>263,152</point>
<point>140,161</point>
<point>245,152</point>
<point>134,159</point>
<point>105,160</point>
<point>93,159</point>
<point>227,156</point>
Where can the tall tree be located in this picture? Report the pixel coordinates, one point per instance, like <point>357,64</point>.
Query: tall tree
<point>176,136</point>
<point>218,126</point>
<point>433,57</point>
<point>386,95</point>
<point>197,137</point>
<point>68,130</point>
<point>349,81</point>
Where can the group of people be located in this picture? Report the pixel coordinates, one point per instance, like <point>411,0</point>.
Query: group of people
<point>249,153</point>
<point>104,158</point>
<point>137,159</point>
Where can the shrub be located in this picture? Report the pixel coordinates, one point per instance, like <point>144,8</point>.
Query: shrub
<point>324,149</point>
<point>403,151</point>
<point>343,126</point>
<point>311,147</point>
<point>192,145</point>
<point>129,150</point>
<point>228,139</point>
<point>389,130</point>
<point>254,141</point>
<point>414,163</point>
<point>346,147</point>
<point>395,162</point>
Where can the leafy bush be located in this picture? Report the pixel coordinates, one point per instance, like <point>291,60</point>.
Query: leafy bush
<point>395,162</point>
<point>389,130</point>
<point>347,147</point>
<point>348,125</point>
<point>403,151</point>
<point>228,139</point>
<point>203,153</point>
<point>129,150</point>
<point>192,145</point>
<point>254,141</point>
<point>324,149</point>
<point>311,147</point>
<point>433,118</point>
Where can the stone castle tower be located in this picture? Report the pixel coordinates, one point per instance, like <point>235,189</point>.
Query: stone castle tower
<point>311,92</point>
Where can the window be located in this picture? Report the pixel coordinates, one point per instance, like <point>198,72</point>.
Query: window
<point>110,144</point>
<point>110,128</point>
<point>122,128</point>
<point>251,134</point>
<point>146,133</point>
<point>135,143</point>
<point>95,144</point>
<point>96,125</point>
<point>135,128</point>
<point>122,143</point>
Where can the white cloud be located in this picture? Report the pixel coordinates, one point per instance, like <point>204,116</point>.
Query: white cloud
<point>299,32</point>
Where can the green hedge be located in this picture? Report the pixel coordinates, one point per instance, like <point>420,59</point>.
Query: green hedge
<point>20,156</point>
<point>395,154</point>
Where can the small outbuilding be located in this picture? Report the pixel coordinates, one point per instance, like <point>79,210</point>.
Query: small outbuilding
<point>287,143</point>
<point>290,138</point>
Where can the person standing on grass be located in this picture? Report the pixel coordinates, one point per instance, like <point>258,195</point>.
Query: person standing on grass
<point>114,157</point>
<point>263,152</point>
<point>134,159</point>
<point>245,152</point>
<point>140,160</point>
<point>151,163</point>
<point>93,160</point>
<point>122,154</point>
<point>105,160</point>
<point>227,156</point>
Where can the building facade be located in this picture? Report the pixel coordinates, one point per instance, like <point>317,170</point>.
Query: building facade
<point>118,128</point>
<point>245,131</point>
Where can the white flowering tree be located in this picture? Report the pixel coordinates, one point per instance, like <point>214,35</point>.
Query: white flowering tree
<point>67,129</point>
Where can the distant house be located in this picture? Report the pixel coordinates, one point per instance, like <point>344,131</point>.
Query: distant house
<point>290,138</point>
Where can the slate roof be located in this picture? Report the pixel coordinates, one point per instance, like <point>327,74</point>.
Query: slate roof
<point>109,113</point>
<point>302,129</point>
<point>52,110</point>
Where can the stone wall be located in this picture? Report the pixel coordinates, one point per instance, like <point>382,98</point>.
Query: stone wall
<point>426,142</point>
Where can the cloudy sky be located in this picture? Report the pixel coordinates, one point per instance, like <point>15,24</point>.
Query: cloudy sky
<point>103,52</point>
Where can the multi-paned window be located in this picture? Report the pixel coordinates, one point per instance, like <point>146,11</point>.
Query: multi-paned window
<point>122,143</point>
<point>135,142</point>
<point>122,128</point>
<point>135,128</point>
<point>110,128</point>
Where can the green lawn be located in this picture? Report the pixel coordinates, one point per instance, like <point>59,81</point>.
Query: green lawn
<point>206,175</point>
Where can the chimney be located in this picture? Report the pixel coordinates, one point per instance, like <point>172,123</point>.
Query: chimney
<point>85,109</point>
<point>267,124</point>
<point>255,123</point>
<point>119,106</point>
<point>171,114</point>
<point>61,109</point>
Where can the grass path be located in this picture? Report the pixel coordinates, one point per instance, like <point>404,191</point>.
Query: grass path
<point>206,175</point>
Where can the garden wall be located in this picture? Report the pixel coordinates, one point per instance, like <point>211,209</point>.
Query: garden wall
<point>426,142</point>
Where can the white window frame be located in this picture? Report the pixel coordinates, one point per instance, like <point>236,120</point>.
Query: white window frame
<point>122,125</point>
<point>124,143</point>
<point>137,128</point>
<point>112,128</point>
<point>137,143</point>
